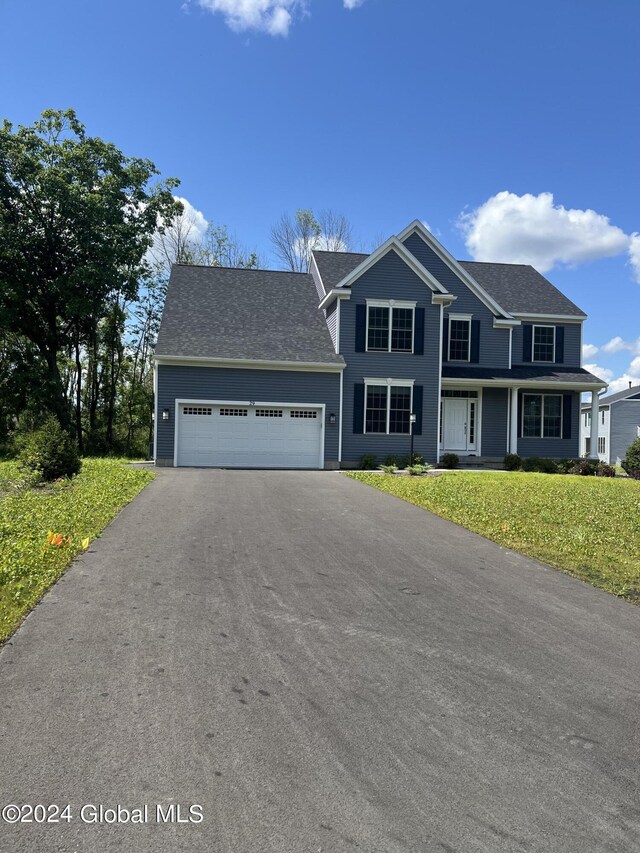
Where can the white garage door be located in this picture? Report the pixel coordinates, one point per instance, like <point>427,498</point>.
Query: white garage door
<point>233,435</point>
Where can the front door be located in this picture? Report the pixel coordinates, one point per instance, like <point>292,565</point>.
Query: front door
<point>459,416</point>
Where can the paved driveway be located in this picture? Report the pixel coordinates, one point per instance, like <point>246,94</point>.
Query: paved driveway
<point>321,667</point>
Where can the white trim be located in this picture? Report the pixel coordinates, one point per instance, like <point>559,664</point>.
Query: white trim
<point>510,348</point>
<point>563,318</point>
<point>416,227</point>
<point>542,435</point>
<point>248,364</point>
<point>513,420</point>
<point>439,383</point>
<point>442,298</point>
<point>468,317</point>
<point>313,261</point>
<point>249,404</point>
<point>499,323</point>
<point>338,327</point>
<point>155,412</point>
<point>334,294</point>
<point>533,343</point>
<point>340,424</point>
<point>393,244</point>
<point>523,383</point>
<point>389,383</point>
<point>392,304</point>
<point>476,450</point>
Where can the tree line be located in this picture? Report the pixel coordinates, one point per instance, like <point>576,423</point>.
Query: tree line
<point>87,240</point>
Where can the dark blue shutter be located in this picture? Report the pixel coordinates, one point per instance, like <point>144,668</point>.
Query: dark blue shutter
<point>417,409</point>
<point>474,351</point>
<point>418,332</point>
<point>519,415</point>
<point>445,339</point>
<point>361,329</point>
<point>559,344</point>
<point>566,415</point>
<point>527,332</point>
<point>358,407</point>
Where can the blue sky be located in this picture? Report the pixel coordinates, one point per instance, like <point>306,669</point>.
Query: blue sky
<point>521,118</point>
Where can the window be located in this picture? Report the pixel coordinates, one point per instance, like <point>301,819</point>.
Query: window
<point>542,416</point>
<point>234,413</point>
<point>602,444</point>
<point>603,420</point>
<point>459,339</point>
<point>197,410</point>
<point>390,327</point>
<point>387,408</point>
<point>544,343</point>
<point>459,395</point>
<point>303,413</point>
<point>268,413</point>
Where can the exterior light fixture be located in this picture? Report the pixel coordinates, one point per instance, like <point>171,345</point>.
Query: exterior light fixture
<point>165,414</point>
<point>332,419</point>
<point>412,420</point>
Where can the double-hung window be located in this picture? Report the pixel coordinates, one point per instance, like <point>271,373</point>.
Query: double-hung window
<point>387,406</point>
<point>544,343</point>
<point>542,415</point>
<point>390,326</point>
<point>459,338</point>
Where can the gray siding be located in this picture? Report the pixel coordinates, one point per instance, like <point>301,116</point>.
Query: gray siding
<point>625,420</point>
<point>557,448</point>
<point>494,421</point>
<point>494,343</point>
<point>391,278</point>
<point>572,347</point>
<point>331,316</point>
<point>269,386</point>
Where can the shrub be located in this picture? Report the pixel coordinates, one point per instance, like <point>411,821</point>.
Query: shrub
<point>416,470</point>
<point>632,460</point>
<point>634,473</point>
<point>512,462</point>
<point>368,462</point>
<point>584,468</point>
<point>402,460</point>
<point>604,470</point>
<point>50,452</point>
<point>540,465</point>
<point>388,469</point>
<point>565,465</point>
<point>449,460</point>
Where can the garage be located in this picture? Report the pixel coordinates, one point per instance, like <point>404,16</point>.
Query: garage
<point>249,435</point>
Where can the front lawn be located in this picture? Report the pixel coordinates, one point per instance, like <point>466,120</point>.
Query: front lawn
<point>587,526</point>
<point>79,508</point>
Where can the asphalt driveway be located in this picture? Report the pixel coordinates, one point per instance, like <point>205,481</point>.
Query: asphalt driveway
<point>320,667</point>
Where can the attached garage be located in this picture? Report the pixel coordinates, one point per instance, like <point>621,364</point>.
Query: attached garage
<point>232,434</point>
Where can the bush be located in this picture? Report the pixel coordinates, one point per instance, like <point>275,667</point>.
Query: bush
<point>49,452</point>
<point>585,468</point>
<point>604,470</point>
<point>540,465</point>
<point>416,470</point>
<point>388,469</point>
<point>565,465</point>
<point>449,461</point>
<point>512,462</point>
<point>634,473</point>
<point>368,462</point>
<point>402,460</point>
<point>631,461</point>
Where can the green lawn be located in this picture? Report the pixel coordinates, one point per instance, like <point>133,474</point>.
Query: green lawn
<point>587,526</point>
<point>77,508</point>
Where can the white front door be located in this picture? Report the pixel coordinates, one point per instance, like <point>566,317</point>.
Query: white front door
<point>459,424</point>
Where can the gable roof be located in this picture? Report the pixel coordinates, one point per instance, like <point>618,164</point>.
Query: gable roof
<point>615,398</point>
<point>521,289</point>
<point>518,288</point>
<point>252,315</point>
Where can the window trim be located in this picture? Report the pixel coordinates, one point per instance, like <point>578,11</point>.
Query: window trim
<point>391,304</point>
<point>466,318</point>
<point>535,326</point>
<point>389,383</point>
<point>542,435</point>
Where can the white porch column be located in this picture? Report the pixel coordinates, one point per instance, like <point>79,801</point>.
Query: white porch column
<point>593,452</point>
<point>513,421</point>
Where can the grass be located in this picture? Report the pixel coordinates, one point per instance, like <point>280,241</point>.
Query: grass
<point>80,508</point>
<point>586,526</point>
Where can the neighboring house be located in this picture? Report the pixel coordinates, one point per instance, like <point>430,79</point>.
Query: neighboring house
<point>618,425</point>
<point>288,370</point>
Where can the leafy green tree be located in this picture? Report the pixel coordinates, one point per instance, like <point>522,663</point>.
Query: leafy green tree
<point>76,219</point>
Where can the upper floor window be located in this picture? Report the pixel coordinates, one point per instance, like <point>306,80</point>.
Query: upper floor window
<point>390,326</point>
<point>544,343</point>
<point>459,338</point>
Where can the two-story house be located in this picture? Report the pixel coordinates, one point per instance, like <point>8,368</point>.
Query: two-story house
<point>618,425</point>
<point>258,368</point>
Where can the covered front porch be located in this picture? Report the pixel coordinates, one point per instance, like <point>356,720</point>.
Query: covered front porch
<point>526,410</point>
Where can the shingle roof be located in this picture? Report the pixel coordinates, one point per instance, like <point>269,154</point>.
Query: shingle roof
<point>521,289</point>
<point>549,375</point>
<point>615,398</point>
<point>215,312</point>
<point>517,288</point>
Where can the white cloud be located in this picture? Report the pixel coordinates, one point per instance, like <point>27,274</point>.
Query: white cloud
<point>622,383</point>
<point>270,16</point>
<point>601,372</point>
<point>588,350</point>
<point>533,230</point>
<point>614,345</point>
<point>187,229</point>
<point>352,4</point>
<point>634,255</point>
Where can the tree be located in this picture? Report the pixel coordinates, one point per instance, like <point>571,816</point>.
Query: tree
<point>294,238</point>
<point>76,219</point>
